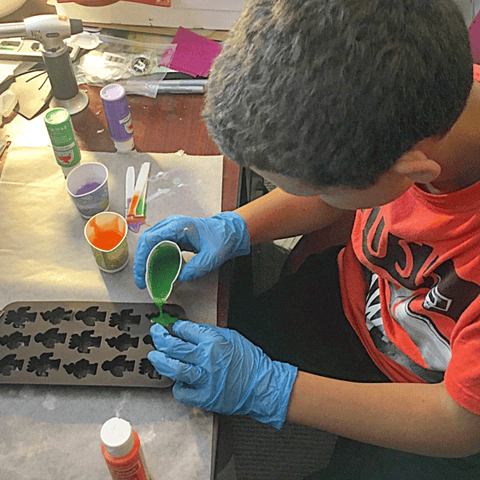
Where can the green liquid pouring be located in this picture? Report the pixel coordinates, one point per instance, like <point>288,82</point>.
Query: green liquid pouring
<point>162,269</point>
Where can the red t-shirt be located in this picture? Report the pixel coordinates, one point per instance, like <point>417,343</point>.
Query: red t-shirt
<point>410,281</point>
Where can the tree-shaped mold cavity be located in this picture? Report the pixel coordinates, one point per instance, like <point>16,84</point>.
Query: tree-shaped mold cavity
<point>123,342</point>
<point>19,318</point>
<point>172,309</point>
<point>118,365</point>
<point>81,369</point>
<point>124,320</point>
<point>10,364</point>
<point>91,316</point>
<point>148,340</point>
<point>57,315</point>
<point>146,368</point>
<point>50,338</point>
<point>84,342</point>
<point>43,364</point>
<point>15,340</point>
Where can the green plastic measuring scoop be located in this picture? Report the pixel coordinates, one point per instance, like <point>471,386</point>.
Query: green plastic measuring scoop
<point>163,266</point>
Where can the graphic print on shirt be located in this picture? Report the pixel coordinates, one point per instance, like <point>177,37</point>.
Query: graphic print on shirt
<point>421,290</point>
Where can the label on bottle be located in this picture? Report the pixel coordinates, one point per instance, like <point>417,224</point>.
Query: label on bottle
<point>117,112</point>
<point>127,124</point>
<point>131,472</point>
<point>67,156</point>
<point>62,137</point>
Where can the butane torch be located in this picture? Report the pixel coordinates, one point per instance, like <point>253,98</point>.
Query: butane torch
<point>51,31</point>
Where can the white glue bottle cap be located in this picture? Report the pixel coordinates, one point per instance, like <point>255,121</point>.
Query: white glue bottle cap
<point>125,145</point>
<point>117,436</point>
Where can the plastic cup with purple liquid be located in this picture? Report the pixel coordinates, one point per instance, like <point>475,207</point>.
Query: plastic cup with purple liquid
<point>87,184</point>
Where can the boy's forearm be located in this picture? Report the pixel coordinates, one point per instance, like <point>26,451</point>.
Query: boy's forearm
<point>280,215</point>
<point>415,418</point>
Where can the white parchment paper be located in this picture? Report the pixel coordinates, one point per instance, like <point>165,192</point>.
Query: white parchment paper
<point>53,431</point>
<point>43,252</point>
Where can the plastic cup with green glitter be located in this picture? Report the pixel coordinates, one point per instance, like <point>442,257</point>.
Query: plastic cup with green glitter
<point>163,266</point>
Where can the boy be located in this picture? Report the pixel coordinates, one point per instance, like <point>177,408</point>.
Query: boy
<point>360,105</point>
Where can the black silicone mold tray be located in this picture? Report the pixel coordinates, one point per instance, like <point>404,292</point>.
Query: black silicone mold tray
<point>80,343</point>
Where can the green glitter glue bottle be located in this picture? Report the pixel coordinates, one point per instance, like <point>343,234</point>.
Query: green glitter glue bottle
<point>163,266</point>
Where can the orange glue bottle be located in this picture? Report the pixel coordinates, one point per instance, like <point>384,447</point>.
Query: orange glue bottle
<point>121,450</point>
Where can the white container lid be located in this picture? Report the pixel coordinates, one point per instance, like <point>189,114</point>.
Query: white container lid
<point>112,92</point>
<point>125,146</point>
<point>117,436</point>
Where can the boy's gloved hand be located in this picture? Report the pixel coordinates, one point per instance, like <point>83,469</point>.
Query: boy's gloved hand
<point>214,239</point>
<point>218,369</point>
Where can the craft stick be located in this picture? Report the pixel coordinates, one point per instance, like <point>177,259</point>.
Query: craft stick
<point>139,187</point>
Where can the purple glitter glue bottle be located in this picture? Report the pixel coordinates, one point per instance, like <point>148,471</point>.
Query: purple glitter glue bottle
<point>119,120</point>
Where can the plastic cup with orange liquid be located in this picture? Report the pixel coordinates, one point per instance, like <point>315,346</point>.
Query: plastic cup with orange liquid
<point>106,234</point>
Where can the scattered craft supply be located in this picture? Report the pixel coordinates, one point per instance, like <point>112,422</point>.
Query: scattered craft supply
<point>106,233</point>
<point>194,54</point>
<point>137,207</point>
<point>119,119</point>
<point>87,184</point>
<point>138,219</point>
<point>129,187</point>
<point>122,450</point>
<point>60,130</point>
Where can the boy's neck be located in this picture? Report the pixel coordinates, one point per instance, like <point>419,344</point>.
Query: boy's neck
<point>458,153</point>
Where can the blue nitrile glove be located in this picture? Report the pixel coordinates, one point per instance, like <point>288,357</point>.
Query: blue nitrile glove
<point>214,239</point>
<point>219,370</point>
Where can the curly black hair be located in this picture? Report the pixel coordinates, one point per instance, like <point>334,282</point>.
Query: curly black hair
<point>333,92</point>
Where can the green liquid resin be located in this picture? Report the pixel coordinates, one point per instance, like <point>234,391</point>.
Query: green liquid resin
<point>162,270</point>
<point>163,318</point>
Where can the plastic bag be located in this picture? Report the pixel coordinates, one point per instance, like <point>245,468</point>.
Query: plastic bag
<point>130,63</point>
<point>8,101</point>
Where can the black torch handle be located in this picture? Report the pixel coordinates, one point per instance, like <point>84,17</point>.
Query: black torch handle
<point>62,79</point>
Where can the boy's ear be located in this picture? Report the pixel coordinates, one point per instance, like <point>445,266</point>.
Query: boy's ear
<point>418,167</point>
